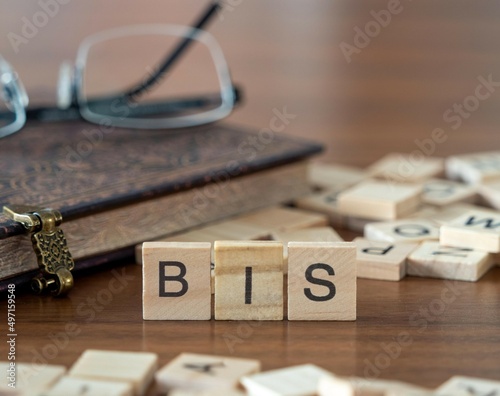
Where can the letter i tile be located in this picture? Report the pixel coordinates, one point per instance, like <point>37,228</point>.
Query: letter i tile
<point>248,280</point>
<point>176,281</point>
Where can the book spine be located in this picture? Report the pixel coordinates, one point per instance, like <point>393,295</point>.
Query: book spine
<point>148,220</point>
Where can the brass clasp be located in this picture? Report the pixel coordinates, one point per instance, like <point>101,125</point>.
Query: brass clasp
<point>50,246</point>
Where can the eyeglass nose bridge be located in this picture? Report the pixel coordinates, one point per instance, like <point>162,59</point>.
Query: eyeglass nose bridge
<point>13,90</point>
<point>15,97</point>
<point>66,86</point>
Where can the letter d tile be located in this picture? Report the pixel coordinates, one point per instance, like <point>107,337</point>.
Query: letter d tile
<point>176,281</point>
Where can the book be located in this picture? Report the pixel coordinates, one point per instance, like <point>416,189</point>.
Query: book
<point>121,187</point>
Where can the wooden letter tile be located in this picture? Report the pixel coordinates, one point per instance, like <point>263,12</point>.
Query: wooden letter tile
<point>248,280</point>
<point>176,281</point>
<point>32,377</point>
<point>404,168</point>
<point>468,386</point>
<point>70,386</point>
<point>382,260</point>
<point>380,200</point>
<point>474,168</point>
<point>445,192</point>
<point>204,373</point>
<point>134,368</point>
<point>477,229</point>
<point>292,381</point>
<point>435,261</point>
<point>490,193</point>
<point>323,202</point>
<point>321,281</point>
<point>338,386</point>
<point>334,175</point>
<point>410,230</point>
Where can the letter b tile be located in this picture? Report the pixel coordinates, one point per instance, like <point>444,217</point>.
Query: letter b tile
<point>176,281</point>
<point>321,281</point>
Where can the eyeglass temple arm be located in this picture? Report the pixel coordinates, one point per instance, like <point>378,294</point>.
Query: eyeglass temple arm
<point>171,58</point>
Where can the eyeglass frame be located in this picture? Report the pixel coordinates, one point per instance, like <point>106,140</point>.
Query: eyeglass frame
<point>77,106</point>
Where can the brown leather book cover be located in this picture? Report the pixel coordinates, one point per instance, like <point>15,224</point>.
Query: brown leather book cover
<point>85,171</point>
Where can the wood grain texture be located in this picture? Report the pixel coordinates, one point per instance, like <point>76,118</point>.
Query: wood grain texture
<point>390,97</point>
<point>321,281</point>
<point>248,280</point>
<point>176,281</point>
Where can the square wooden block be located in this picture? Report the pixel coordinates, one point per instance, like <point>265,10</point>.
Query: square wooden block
<point>176,281</point>
<point>380,200</point>
<point>474,168</point>
<point>70,386</point>
<point>476,229</point>
<point>382,260</point>
<point>323,202</point>
<point>292,381</point>
<point>196,372</point>
<point>134,368</point>
<point>248,280</point>
<point>432,260</point>
<point>321,281</point>
<point>469,386</point>
<point>440,192</point>
<point>32,377</point>
<point>406,168</point>
<point>408,230</point>
<point>334,175</point>
<point>490,193</point>
<point>339,386</point>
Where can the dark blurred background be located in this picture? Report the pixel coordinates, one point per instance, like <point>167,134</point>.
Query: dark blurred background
<point>292,53</point>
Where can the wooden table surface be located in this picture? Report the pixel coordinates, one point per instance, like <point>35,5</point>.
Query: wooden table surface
<point>390,97</point>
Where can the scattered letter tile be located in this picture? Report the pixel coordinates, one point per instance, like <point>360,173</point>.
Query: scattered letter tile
<point>204,372</point>
<point>382,260</point>
<point>135,368</point>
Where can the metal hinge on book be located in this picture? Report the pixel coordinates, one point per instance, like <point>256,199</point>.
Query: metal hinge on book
<point>50,246</point>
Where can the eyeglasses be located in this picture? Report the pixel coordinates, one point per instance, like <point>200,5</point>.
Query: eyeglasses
<point>105,87</point>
